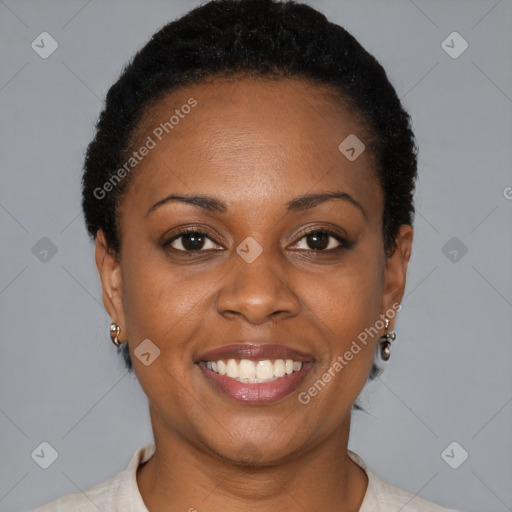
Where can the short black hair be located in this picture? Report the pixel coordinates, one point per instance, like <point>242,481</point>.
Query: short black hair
<point>258,38</point>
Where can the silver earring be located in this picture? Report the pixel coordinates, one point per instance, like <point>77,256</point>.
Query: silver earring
<point>385,341</point>
<point>114,333</point>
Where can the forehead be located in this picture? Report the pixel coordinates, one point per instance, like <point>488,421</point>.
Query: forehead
<point>249,137</point>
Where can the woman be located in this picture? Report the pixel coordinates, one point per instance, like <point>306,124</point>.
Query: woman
<point>249,190</point>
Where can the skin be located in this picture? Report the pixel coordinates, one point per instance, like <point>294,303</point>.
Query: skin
<point>253,144</point>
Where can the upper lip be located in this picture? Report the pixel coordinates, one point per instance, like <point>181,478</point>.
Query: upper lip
<point>255,351</point>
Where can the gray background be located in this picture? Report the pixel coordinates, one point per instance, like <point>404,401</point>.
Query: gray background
<point>449,377</point>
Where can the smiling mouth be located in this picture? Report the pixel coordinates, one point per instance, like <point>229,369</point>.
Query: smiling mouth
<point>254,372</point>
<point>251,373</point>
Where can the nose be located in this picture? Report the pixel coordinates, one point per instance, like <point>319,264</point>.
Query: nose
<point>257,291</point>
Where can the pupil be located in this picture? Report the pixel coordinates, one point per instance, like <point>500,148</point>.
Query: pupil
<point>319,240</point>
<point>193,241</point>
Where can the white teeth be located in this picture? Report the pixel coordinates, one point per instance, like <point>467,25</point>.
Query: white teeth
<point>255,371</point>
<point>222,367</point>
<point>279,368</point>
<point>232,369</point>
<point>264,369</point>
<point>247,369</point>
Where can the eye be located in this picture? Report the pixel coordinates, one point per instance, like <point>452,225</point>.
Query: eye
<point>322,240</point>
<point>191,240</point>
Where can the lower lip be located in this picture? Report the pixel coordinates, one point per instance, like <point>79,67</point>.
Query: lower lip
<point>263,393</point>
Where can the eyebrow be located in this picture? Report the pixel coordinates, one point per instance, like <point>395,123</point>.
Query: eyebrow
<point>311,200</point>
<point>301,203</point>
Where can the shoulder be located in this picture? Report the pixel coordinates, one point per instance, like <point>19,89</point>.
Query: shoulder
<point>383,497</point>
<point>119,493</point>
<point>101,496</point>
<point>393,499</point>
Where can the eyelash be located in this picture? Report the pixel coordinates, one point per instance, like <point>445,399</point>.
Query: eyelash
<point>343,242</point>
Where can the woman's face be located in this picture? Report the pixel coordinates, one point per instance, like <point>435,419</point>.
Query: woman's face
<point>255,285</point>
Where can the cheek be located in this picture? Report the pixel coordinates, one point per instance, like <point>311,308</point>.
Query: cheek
<point>167,304</point>
<point>164,306</point>
<point>346,307</point>
<point>348,299</point>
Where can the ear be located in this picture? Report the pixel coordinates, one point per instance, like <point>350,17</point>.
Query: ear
<point>109,270</point>
<point>396,270</point>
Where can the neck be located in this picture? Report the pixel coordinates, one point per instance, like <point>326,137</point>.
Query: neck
<point>181,476</point>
